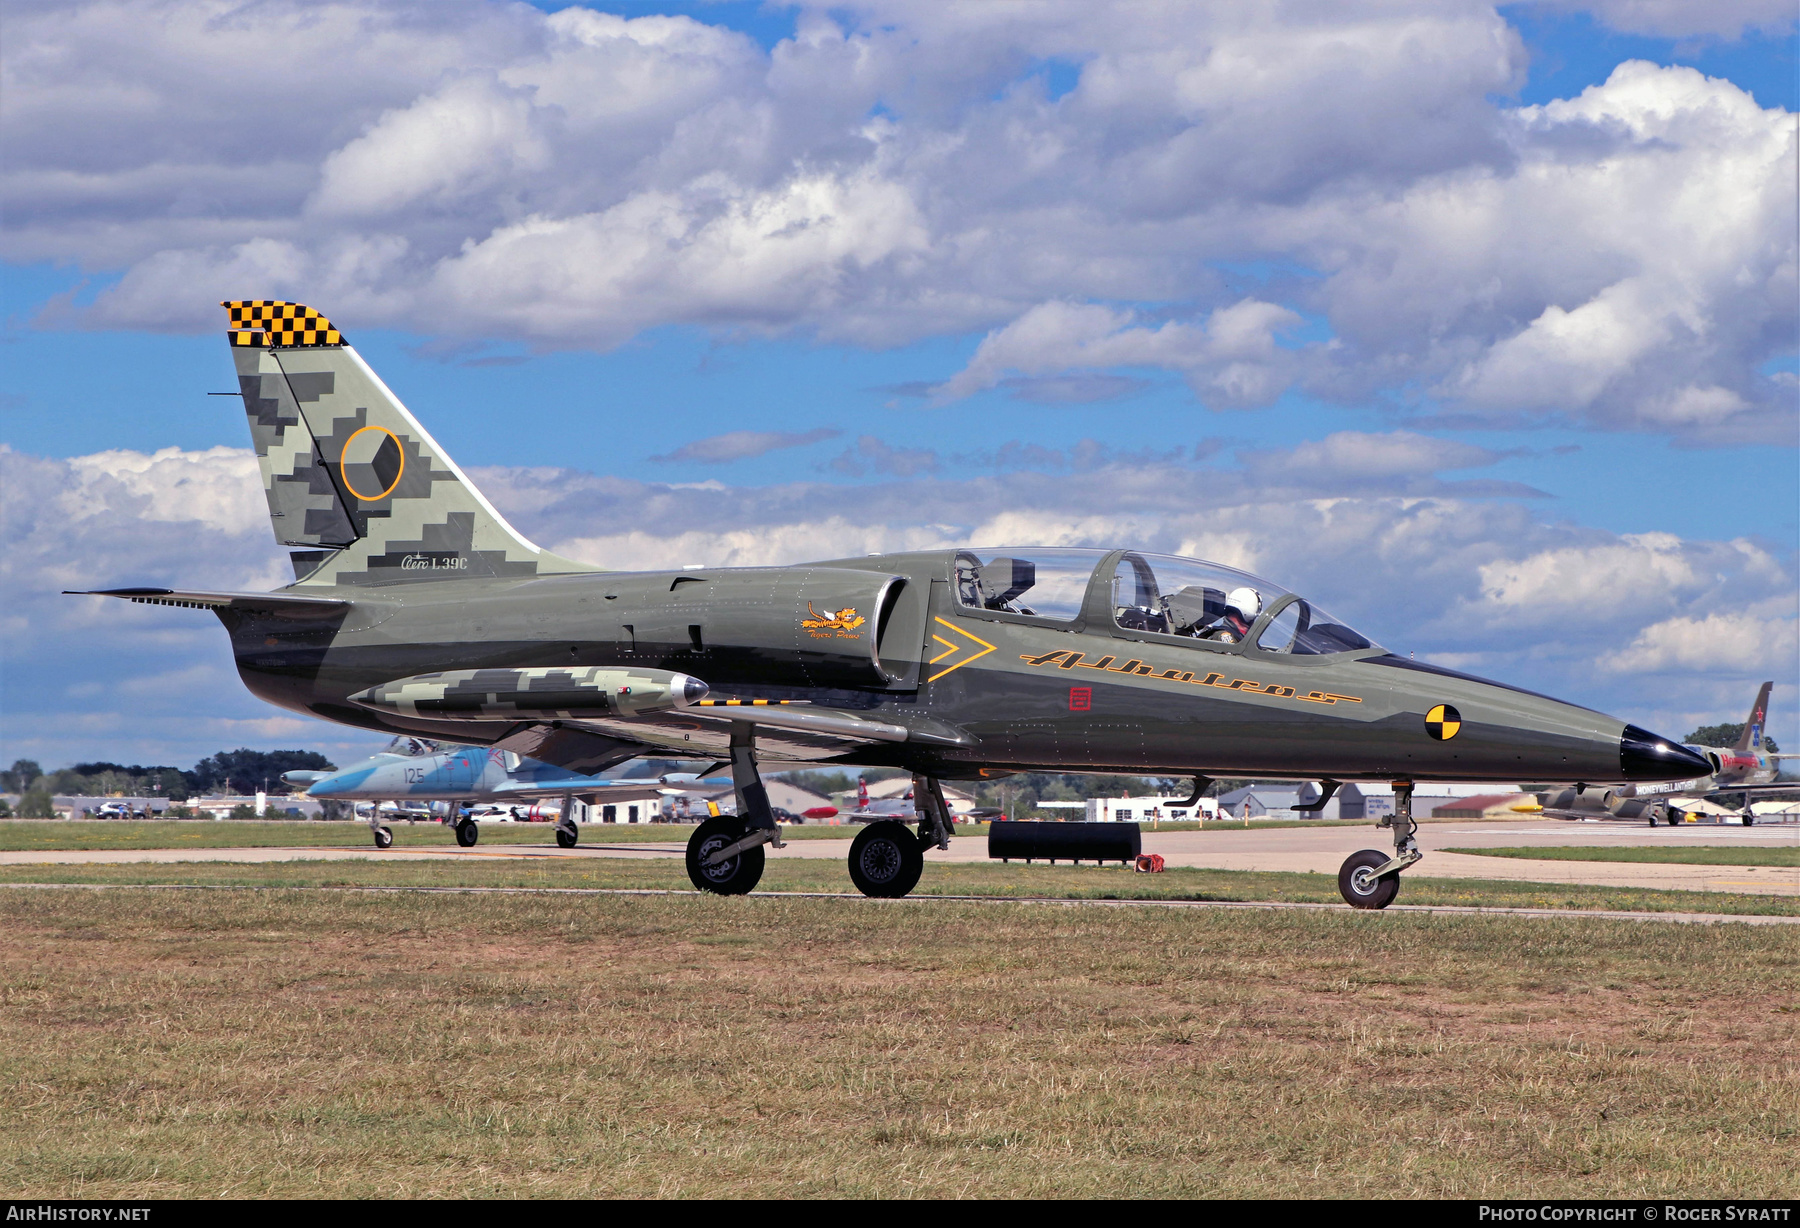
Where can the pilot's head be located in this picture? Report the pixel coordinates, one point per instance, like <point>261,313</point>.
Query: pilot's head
<point>1242,605</point>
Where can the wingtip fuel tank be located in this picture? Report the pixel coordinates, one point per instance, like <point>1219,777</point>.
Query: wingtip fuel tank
<point>533,694</point>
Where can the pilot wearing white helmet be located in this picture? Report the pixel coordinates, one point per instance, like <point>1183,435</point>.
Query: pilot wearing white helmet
<point>1242,605</point>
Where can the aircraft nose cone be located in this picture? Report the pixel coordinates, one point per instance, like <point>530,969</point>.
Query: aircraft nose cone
<point>1645,756</point>
<point>693,690</point>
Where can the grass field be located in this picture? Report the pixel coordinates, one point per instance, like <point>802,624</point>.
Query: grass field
<point>1696,855</point>
<point>291,1044</point>
<point>979,878</point>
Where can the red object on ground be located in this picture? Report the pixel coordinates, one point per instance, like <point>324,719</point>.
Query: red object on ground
<point>819,812</point>
<point>1149,863</point>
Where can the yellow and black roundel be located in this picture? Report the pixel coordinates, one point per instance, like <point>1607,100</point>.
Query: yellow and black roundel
<point>1442,722</point>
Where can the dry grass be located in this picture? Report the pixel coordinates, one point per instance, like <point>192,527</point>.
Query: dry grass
<point>978,878</point>
<point>292,1043</point>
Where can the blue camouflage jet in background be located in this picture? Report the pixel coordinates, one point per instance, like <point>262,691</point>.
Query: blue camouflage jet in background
<point>420,769</point>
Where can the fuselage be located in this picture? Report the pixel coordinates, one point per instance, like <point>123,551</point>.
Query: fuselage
<point>1735,770</point>
<point>1101,662</point>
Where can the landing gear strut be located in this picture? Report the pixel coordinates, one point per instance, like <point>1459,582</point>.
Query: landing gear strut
<point>1370,878</point>
<point>725,854</point>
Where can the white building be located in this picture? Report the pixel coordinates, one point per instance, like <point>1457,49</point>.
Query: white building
<point>1143,809</point>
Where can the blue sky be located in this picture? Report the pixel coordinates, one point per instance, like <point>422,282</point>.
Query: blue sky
<point>1100,303</point>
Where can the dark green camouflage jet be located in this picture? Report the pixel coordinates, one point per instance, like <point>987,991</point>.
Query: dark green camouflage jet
<point>416,609</point>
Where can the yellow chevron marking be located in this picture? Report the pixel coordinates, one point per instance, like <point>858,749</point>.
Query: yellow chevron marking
<point>955,648</point>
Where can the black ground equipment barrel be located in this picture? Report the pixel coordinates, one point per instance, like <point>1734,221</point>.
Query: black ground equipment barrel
<point>1064,841</point>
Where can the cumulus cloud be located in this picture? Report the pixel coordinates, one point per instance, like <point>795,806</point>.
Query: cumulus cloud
<point>84,675</point>
<point>1737,644</point>
<point>1624,259</point>
<point>743,445</point>
<point>1393,461</point>
<point>1231,360</point>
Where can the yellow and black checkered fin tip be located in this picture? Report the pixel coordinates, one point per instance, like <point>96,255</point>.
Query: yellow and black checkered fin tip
<point>265,323</point>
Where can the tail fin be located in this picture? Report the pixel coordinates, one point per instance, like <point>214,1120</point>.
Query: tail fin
<point>351,476</point>
<point>1751,739</point>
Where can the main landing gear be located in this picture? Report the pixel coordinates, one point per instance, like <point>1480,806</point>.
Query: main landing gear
<point>1370,878</point>
<point>725,854</point>
<point>467,833</point>
<point>886,858</point>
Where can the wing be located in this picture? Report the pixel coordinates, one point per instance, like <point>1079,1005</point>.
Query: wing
<point>581,787</point>
<point>789,734</point>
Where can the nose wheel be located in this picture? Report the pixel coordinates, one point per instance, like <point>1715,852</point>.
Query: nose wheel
<point>384,837</point>
<point>1358,882</point>
<point>1370,878</point>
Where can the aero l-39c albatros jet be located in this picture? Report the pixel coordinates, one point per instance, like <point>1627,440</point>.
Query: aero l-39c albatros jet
<point>417,609</point>
<point>1740,771</point>
<point>414,768</point>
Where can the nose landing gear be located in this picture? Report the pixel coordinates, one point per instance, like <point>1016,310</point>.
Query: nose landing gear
<point>725,854</point>
<point>384,836</point>
<point>567,834</point>
<point>1370,878</point>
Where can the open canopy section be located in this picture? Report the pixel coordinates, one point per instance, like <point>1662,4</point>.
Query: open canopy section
<point>1159,593</point>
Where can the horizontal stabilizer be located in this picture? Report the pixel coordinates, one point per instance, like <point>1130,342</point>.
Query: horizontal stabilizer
<point>285,604</point>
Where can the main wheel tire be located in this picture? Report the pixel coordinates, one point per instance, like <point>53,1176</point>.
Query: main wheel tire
<point>384,837</point>
<point>886,860</point>
<point>1359,889</point>
<point>467,833</point>
<point>733,876</point>
<point>566,837</point>
<point>1674,819</point>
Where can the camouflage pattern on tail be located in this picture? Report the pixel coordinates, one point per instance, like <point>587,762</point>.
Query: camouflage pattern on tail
<point>351,477</point>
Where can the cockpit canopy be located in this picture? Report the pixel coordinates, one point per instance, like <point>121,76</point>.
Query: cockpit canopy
<point>408,747</point>
<point>1157,593</point>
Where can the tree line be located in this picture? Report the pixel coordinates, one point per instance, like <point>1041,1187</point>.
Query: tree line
<point>230,771</point>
